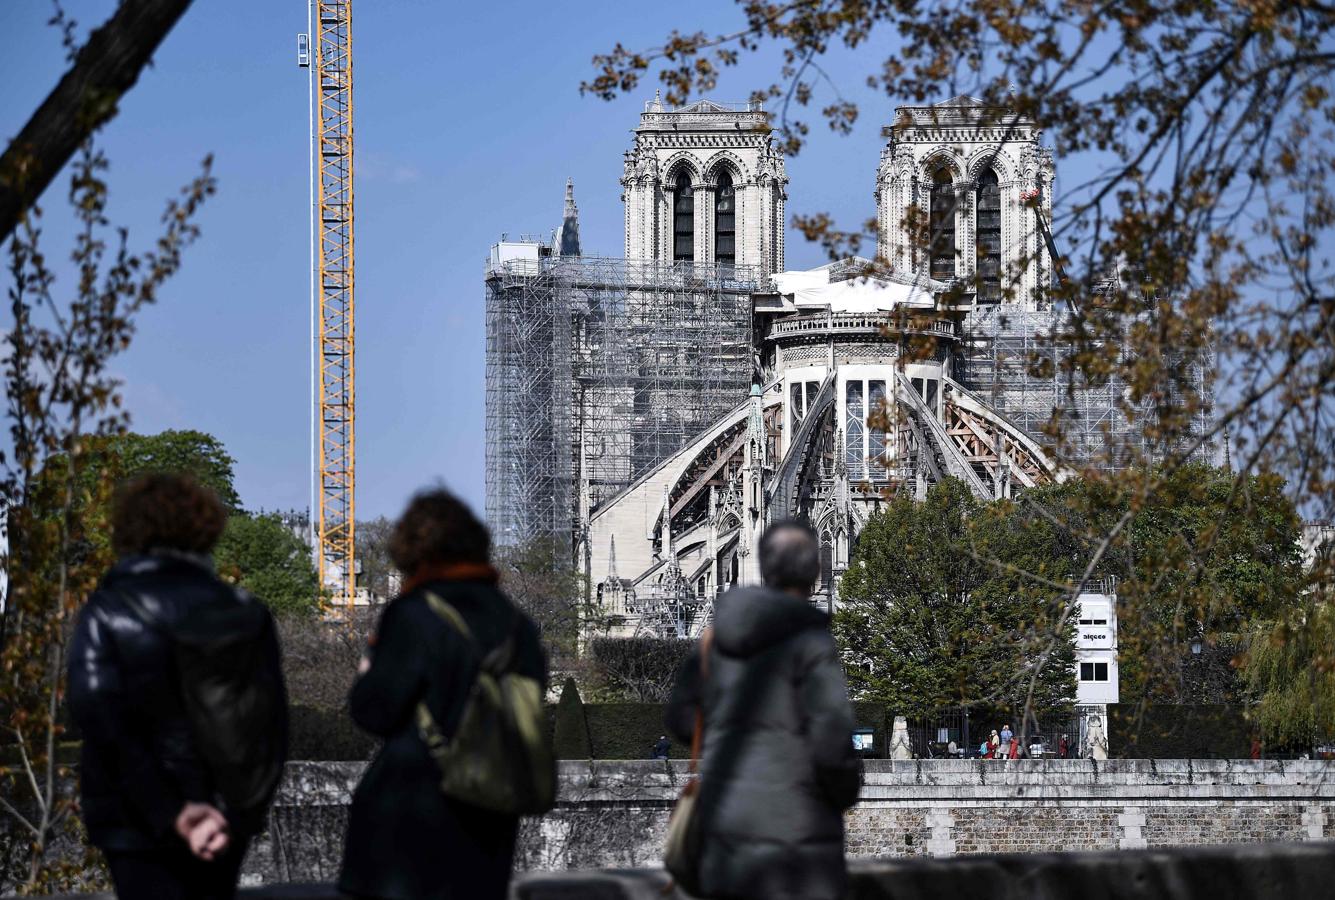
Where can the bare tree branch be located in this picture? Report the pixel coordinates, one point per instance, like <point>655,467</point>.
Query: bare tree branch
<point>85,99</point>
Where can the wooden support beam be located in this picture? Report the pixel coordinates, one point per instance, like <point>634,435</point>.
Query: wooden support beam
<point>702,480</point>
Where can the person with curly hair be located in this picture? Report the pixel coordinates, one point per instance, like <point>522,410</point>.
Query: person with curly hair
<point>153,797</point>
<point>406,838</point>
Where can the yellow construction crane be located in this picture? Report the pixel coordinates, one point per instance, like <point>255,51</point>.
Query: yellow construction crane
<point>335,320</point>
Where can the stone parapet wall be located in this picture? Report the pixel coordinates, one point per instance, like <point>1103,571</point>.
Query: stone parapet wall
<point>614,813</point>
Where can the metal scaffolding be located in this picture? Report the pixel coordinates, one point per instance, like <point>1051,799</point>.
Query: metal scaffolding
<point>616,363</point>
<point>996,360</point>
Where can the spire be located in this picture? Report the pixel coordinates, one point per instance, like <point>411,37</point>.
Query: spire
<point>612,558</point>
<point>567,237</point>
<point>755,426</point>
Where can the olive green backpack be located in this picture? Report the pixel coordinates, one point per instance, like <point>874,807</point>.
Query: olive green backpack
<point>500,757</point>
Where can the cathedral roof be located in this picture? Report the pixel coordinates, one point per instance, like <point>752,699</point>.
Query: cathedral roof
<point>705,106</point>
<point>702,115</point>
<point>962,100</point>
<point>824,288</point>
<point>962,109</point>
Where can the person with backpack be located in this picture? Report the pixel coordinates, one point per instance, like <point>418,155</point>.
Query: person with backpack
<point>175,683</point>
<point>453,681</point>
<point>777,764</point>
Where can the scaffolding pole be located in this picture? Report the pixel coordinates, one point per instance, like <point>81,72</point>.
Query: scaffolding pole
<point>633,357</point>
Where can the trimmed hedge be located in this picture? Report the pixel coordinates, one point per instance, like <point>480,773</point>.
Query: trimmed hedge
<point>571,739</point>
<point>327,735</point>
<point>629,730</point>
<point>1179,731</point>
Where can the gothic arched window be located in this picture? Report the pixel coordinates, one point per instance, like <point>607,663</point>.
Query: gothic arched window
<point>941,220</point>
<point>725,221</point>
<point>854,428</point>
<point>987,237</point>
<point>683,219</point>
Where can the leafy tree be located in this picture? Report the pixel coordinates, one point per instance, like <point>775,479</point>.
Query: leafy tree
<point>1198,560</point>
<point>1289,665</point>
<point>268,559</point>
<point>926,622</point>
<point>1291,671</point>
<point>193,452</point>
<point>60,397</point>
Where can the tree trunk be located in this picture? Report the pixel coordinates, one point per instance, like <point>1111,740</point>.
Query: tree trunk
<point>86,97</point>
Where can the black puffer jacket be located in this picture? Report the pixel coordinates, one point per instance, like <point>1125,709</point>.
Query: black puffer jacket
<point>139,763</point>
<point>778,766</point>
<point>406,839</point>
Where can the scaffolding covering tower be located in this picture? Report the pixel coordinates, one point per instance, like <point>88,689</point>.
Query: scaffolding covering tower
<point>1001,343</point>
<point>598,369</point>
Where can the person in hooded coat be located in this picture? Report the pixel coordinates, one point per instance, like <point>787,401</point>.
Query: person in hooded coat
<point>778,766</point>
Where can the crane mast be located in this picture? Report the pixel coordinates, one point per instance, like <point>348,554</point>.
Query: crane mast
<point>335,551</point>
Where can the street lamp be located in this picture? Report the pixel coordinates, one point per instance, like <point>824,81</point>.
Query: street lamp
<point>1195,646</point>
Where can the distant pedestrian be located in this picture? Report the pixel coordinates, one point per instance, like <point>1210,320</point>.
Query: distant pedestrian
<point>993,745</point>
<point>661,748</point>
<point>1064,747</point>
<point>176,684</point>
<point>1006,735</point>
<point>1014,747</point>
<point>407,837</point>
<point>778,764</point>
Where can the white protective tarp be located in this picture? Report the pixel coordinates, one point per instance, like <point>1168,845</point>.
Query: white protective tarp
<point>813,288</point>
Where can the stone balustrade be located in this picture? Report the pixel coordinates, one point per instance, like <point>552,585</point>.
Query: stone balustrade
<point>613,814</point>
<point>932,822</point>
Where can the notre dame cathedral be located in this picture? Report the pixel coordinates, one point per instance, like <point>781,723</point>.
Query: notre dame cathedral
<point>652,413</point>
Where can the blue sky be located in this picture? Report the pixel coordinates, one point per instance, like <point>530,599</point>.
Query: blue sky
<point>468,122</point>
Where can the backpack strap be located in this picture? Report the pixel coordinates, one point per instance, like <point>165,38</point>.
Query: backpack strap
<point>449,614</point>
<point>498,660</point>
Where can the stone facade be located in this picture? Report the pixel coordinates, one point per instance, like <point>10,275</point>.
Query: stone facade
<point>704,140</point>
<point>614,814</point>
<point>966,139</point>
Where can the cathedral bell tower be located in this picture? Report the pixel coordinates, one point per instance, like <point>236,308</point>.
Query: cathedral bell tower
<point>704,184</point>
<point>983,183</point>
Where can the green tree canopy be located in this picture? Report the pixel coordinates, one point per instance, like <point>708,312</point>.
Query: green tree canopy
<point>1289,663</point>
<point>926,621</point>
<point>268,559</point>
<point>193,452</point>
<point>1290,670</point>
<point>1200,558</point>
